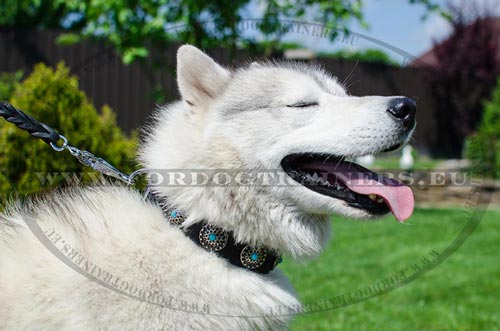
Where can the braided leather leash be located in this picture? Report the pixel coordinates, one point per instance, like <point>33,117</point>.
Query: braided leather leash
<point>28,123</point>
<point>51,137</point>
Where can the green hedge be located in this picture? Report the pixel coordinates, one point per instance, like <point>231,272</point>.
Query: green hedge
<point>8,83</point>
<point>52,96</point>
<point>483,147</point>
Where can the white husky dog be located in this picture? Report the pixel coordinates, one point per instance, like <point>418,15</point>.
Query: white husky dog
<point>104,258</point>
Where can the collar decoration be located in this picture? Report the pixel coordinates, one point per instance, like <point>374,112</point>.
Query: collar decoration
<point>214,239</point>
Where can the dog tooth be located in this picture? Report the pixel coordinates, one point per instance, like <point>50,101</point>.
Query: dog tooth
<point>373,197</point>
<point>380,200</point>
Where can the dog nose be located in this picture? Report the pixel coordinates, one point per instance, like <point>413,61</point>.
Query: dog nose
<point>403,109</point>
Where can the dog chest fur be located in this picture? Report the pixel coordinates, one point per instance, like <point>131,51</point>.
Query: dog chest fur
<point>130,241</point>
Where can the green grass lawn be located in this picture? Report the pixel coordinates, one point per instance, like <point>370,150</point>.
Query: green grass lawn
<point>392,163</point>
<point>462,293</point>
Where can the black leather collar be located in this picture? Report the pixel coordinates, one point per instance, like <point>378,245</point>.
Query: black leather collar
<point>214,239</point>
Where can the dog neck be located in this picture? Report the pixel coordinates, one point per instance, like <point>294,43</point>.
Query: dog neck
<point>256,215</point>
<point>221,242</point>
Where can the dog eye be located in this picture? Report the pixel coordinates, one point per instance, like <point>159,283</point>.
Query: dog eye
<point>303,104</point>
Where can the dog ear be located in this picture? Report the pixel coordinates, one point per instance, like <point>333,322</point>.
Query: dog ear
<point>200,79</point>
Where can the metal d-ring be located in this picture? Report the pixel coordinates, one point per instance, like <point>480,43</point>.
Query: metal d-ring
<point>64,145</point>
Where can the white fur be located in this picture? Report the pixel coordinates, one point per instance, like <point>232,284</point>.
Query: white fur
<point>226,120</point>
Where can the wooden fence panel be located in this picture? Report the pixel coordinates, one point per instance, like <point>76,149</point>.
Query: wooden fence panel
<point>128,90</point>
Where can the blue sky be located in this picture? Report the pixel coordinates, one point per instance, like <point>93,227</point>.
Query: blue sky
<point>400,24</point>
<point>395,22</point>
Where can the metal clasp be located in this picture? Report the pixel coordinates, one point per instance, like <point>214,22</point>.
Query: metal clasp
<point>98,164</point>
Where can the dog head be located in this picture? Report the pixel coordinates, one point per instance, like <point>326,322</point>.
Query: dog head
<point>295,122</point>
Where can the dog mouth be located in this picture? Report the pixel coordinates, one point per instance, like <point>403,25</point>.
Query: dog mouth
<point>359,187</point>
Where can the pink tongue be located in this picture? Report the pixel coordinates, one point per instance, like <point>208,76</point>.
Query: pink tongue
<point>398,197</point>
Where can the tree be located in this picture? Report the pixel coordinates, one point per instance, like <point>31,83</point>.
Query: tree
<point>136,28</point>
<point>130,25</point>
<point>466,67</point>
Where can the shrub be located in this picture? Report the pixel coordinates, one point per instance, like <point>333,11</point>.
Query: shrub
<point>8,82</point>
<point>367,55</point>
<point>28,165</point>
<point>483,147</point>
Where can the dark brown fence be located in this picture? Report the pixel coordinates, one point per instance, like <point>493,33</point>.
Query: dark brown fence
<point>129,89</point>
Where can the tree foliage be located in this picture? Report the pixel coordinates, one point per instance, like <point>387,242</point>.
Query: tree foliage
<point>129,25</point>
<point>467,66</point>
